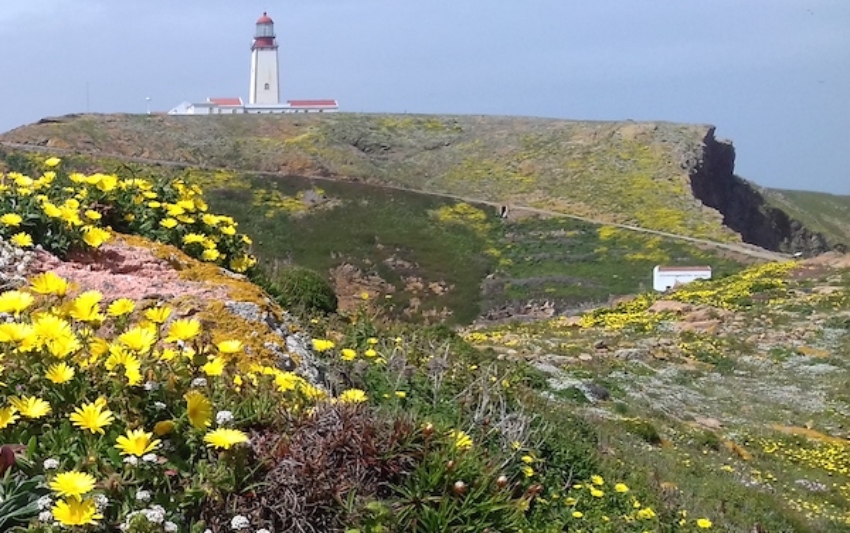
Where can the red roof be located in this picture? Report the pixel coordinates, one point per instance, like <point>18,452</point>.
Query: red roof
<point>265,19</point>
<point>226,101</point>
<point>312,103</point>
<point>685,269</point>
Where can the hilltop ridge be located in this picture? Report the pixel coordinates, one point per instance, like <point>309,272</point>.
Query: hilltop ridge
<point>676,178</point>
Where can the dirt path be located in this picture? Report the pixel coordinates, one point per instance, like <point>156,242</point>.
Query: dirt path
<point>740,248</point>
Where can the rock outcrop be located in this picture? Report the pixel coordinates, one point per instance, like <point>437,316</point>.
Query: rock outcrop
<point>744,208</point>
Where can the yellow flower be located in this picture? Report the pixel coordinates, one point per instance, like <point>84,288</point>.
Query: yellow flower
<point>353,396</point>
<point>241,264</point>
<point>159,314</point>
<point>15,301</point>
<point>462,441</point>
<point>347,354</point>
<point>52,162</point>
<point>597,480</point>
<point>93,416</point>
<point>400,394</point>
<point>231,346</point>
<point>228,230</point>
<point>12,220</point>
<point>21,240</point>
<point>527,459</point>
<point>646,514</point>
<point>139,339</point>
<point>210,255</point>
<point>214,367</point>
<point>73,484</point>
<point>136,442</point>
<point>192,238</point>
<point>8,416</point>
<point>51,210</point>
<point>577,514</point>
<point>166,355</point>
<point>621,488</point>
<point>322,345</point>
<point>94,236</point>
<point>704,523</point>
<point>121,306</point>
<point>86,307</point>
<point>596,493</point>
<point>60,373</point>
<point>168,223</point>
<point>183,330</point>
<point>76,512</point>
<point>15,332</point>
<point>526,470</point>
<point>225,438</point>
<point>198,409</point>
<point>370,353</point>
<point>163,427</point>
<point>30,406</point>
<point>49,283</point>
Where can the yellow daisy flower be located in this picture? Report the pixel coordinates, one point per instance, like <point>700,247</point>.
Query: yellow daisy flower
<point>49,283</point>
<point>76,512</point>
<point>225,438</point>
<point>30,406</point>
<point>198,409</point>
<point>73,484</point>
<point>93,416</point>
<point>136,442</point>
<point>60,373</point>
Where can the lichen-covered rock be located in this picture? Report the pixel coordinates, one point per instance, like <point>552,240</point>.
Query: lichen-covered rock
<point>228,305</point>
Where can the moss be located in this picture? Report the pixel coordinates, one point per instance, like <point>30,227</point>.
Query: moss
<point>218,320</point>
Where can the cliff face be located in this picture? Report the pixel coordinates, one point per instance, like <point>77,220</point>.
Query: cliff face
<point>744,208</point>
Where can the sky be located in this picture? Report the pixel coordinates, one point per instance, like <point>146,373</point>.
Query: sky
<point>772,75</point>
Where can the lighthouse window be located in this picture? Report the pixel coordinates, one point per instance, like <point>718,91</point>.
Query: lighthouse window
<point>267,87</point>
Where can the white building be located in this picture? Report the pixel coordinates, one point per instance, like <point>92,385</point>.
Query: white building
<point>264,95</point>
<point>664,278</point>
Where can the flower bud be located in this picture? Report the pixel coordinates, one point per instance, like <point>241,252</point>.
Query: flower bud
<point>502,481</point>
<point>450,466</point>
<point>459,487</point>
<point>428,429</point>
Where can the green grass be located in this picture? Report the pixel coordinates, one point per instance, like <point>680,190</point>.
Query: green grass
<point>485,262</point>
<point>824,213</point>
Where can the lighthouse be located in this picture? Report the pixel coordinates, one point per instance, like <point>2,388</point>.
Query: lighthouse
<point>264,97</point>
<point>265,88</point>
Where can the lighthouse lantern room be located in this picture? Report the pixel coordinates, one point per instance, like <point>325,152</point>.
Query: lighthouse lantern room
<point>264,65</point>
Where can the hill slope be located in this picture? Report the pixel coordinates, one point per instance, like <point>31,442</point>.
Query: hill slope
<point>663,176</point>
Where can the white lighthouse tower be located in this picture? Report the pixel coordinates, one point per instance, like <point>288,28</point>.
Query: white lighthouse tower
<point>265,88</point>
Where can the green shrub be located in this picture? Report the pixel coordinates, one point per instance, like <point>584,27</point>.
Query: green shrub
<point>299,289</point>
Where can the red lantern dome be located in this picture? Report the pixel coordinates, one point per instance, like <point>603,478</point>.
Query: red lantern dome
<point>264,36</point>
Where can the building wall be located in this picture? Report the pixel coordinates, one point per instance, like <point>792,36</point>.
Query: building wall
<point>264,73</point>
<point>664,280</point>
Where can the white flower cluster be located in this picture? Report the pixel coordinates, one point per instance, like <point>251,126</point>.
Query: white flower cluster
<point>154,514</point>
<point>223,417</point>
<point>239,522</point>
<point>199,382</point>
<point>45,502</point>
<point>51,464</point>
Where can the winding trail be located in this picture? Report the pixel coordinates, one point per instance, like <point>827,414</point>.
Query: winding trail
<point>739,248</point>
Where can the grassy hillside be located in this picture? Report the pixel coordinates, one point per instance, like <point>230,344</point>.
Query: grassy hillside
<point>614,171</point>
<point>710,391</point>
<point>428,258</point>
<point>824,213</point>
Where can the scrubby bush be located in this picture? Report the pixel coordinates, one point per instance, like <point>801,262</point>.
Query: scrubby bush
<point>298,288</point>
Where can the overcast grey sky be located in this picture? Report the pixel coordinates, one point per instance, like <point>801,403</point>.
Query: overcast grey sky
<point>772,75</point>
